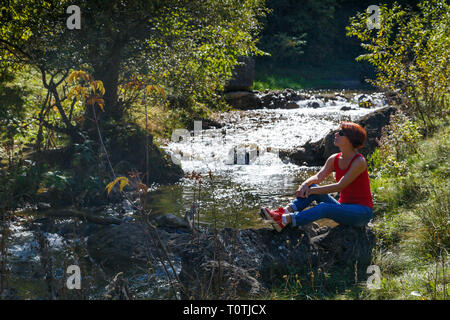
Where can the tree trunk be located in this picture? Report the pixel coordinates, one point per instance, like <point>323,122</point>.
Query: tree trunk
<point>108,73</point>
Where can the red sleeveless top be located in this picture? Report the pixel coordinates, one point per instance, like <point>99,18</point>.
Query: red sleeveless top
<point>357,192</point>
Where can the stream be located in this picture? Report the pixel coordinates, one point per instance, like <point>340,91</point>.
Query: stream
<point>242,157</point>
<point>240,171</point>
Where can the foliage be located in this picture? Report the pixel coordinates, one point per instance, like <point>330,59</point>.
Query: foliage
<point>398,140</point>
<point>411,52</point>
<point>12,100</point>
<point>435,218</point>
<point>188,47</point>
<point>292,24</point>
<point>412,223</point>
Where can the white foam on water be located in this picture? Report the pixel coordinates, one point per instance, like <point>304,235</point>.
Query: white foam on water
<point>260,134</point>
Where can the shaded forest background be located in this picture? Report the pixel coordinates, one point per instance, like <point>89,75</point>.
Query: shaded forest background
<point>308,46</point>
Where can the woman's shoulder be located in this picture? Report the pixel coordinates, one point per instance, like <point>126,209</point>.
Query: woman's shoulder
<point>333,156</point>
<point>360,161</point>
<point>331,161</point>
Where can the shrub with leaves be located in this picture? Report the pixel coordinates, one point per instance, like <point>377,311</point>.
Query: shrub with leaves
<point>398,140</point>
<point>435,219</point>
<point>411,52</point>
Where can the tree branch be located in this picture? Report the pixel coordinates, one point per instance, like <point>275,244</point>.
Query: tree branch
<point>56,128</point>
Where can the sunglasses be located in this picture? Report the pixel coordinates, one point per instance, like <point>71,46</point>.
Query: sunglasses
<point>341,133</point>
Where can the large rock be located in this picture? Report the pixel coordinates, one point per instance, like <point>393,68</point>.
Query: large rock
<point>316,153</point>
<point>243,75</point>
<point>280,99</point>
<point>270,99</point>
<point>231,263</point>
<point>243,100</point>
<point>266,255</point>
<point>126,145</point>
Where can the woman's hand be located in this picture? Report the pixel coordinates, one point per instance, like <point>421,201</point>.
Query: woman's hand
<point>302,191</point>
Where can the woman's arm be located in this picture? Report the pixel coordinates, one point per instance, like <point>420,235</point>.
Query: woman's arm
<point>317,178</point>
<point>358,166</point>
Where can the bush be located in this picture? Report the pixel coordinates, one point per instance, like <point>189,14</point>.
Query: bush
<point>411,52</point>
<point>398,141</point>
<point>435,219</point>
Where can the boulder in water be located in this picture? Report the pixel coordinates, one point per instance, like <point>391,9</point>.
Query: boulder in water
<point>316,153</point>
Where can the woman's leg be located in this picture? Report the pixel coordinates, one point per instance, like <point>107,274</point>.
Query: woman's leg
<point>348,214</point>
<point>301,203</point>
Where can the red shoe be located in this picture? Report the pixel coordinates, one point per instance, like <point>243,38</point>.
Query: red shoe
<point>274,216</point>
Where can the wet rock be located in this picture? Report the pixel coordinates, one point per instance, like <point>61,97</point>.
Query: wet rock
<point>291,105</point>
<point>313,104</point>
<point>117,247</point>
<point>280,99</point>
<point>243,100</point>
<point>365,101</point>
<point>232,263</point>
<point>172,221</point>
<point>316,153</point>
<point>270,99</point>
<point>43,206</point>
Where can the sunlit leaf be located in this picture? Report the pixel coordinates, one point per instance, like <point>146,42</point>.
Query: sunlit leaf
<point>123,182</point>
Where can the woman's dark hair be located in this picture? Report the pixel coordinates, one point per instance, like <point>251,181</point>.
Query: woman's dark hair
<point>355,133</point>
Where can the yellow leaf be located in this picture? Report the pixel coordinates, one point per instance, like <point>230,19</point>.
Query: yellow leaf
<point>149,89</point>
<point>154,88</point>
<point>123,182</point>
<point>163,93</point>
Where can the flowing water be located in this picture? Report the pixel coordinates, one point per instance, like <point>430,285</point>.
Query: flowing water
<point>243,160</point>
<point>240,172</point>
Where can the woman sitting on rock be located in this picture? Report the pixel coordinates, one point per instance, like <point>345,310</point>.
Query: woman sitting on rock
<point>354,206</point>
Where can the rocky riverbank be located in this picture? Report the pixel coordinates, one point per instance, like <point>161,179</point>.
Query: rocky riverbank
<point>289,98</point>
<point>317,152</point>
<point>229,263</point>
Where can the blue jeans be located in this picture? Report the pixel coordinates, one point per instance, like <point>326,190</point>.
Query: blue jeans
<point>328,207</point>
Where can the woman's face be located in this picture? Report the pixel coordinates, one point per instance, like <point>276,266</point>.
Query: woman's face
<point>340,139</point>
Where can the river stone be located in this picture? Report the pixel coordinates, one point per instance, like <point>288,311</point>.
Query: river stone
<point>267,255</point>
<point>364,101</point>
<point>313,104</point>
<point>172,221</point>
<point>117,247</point>
<point>243,100</point>
<point>270,99</point>
<point>291,105</point>
<point>347,108</point>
